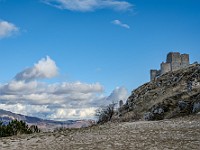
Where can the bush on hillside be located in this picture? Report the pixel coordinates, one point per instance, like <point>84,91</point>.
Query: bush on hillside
<point>105,114</point>
<point>16,127</point>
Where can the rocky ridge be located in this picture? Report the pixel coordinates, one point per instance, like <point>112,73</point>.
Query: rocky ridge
<point>173,94</point>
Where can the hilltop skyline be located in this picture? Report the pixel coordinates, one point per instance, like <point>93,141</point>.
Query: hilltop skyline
<point>63,59</point>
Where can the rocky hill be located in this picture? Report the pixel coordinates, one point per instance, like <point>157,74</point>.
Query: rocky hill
<point>171,95</point>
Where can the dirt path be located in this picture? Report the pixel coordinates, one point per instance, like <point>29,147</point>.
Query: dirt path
<point>181,133</point>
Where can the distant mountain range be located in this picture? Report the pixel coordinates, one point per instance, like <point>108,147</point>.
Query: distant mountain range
<point>7,116</point>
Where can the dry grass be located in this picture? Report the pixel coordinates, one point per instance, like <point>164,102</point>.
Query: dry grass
<point>179,133</point>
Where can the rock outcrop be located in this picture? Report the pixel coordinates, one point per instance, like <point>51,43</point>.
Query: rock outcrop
<point>173,94</point>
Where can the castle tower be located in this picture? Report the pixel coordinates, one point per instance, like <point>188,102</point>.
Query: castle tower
<point>165,67</point>
<point>185,60</point>
<point>174,58</point>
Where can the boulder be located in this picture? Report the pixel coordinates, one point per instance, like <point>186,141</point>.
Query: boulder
<point>148,116</point>
<point>196,107</point>
<point>184,107</point>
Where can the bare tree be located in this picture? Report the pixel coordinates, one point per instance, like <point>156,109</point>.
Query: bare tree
<point>105,114</point>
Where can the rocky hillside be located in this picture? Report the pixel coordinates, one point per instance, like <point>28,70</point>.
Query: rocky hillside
<point>171,95</point>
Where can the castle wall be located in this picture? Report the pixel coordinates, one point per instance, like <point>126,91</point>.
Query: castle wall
<point>185,60</point>
<point>153,74</point>
<point>165,67</point>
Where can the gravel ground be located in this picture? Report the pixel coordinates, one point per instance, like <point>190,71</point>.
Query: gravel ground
<point>180,133</point>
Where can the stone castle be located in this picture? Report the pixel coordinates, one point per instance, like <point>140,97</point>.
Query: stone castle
<point>174,61</point>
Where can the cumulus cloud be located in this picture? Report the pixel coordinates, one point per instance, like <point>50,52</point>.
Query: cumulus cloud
<point>7,29</point>
<point>45,68</point>
<point>62,113</point>
<point>89,5</point>
<point>30,110</point>
<point>119,23</point>
<point>27,95</point>
<point>119,93</point>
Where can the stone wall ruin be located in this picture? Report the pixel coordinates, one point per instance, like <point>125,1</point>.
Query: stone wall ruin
<point>174,61</point>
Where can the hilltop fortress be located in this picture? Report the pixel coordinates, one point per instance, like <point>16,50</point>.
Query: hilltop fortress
<point>174,61</point>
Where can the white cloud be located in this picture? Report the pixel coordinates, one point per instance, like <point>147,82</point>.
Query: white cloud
<point>39,93</point>
<point>58,107</point>
<point>89,5</point>
<point>62,113</point>
<point>7,29</point>
<point>19,86</point>
<point>27,95</point>
<point>119,23</point>
<point>65,87</point>
<point>45,68</point>
<point>26,109</point>
<point>119,93</point>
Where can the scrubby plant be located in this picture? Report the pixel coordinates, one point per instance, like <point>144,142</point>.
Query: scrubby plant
<point>34,129</point>
<point>16,127</point>
<point>104,114</point>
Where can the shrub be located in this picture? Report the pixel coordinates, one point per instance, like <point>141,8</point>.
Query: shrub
<point>16,127</point>
<point>105,114</point>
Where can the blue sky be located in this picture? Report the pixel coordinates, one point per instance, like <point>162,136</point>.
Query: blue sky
<point>97,49</point>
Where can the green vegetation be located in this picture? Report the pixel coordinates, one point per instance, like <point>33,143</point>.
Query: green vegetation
<point>16,127</point>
